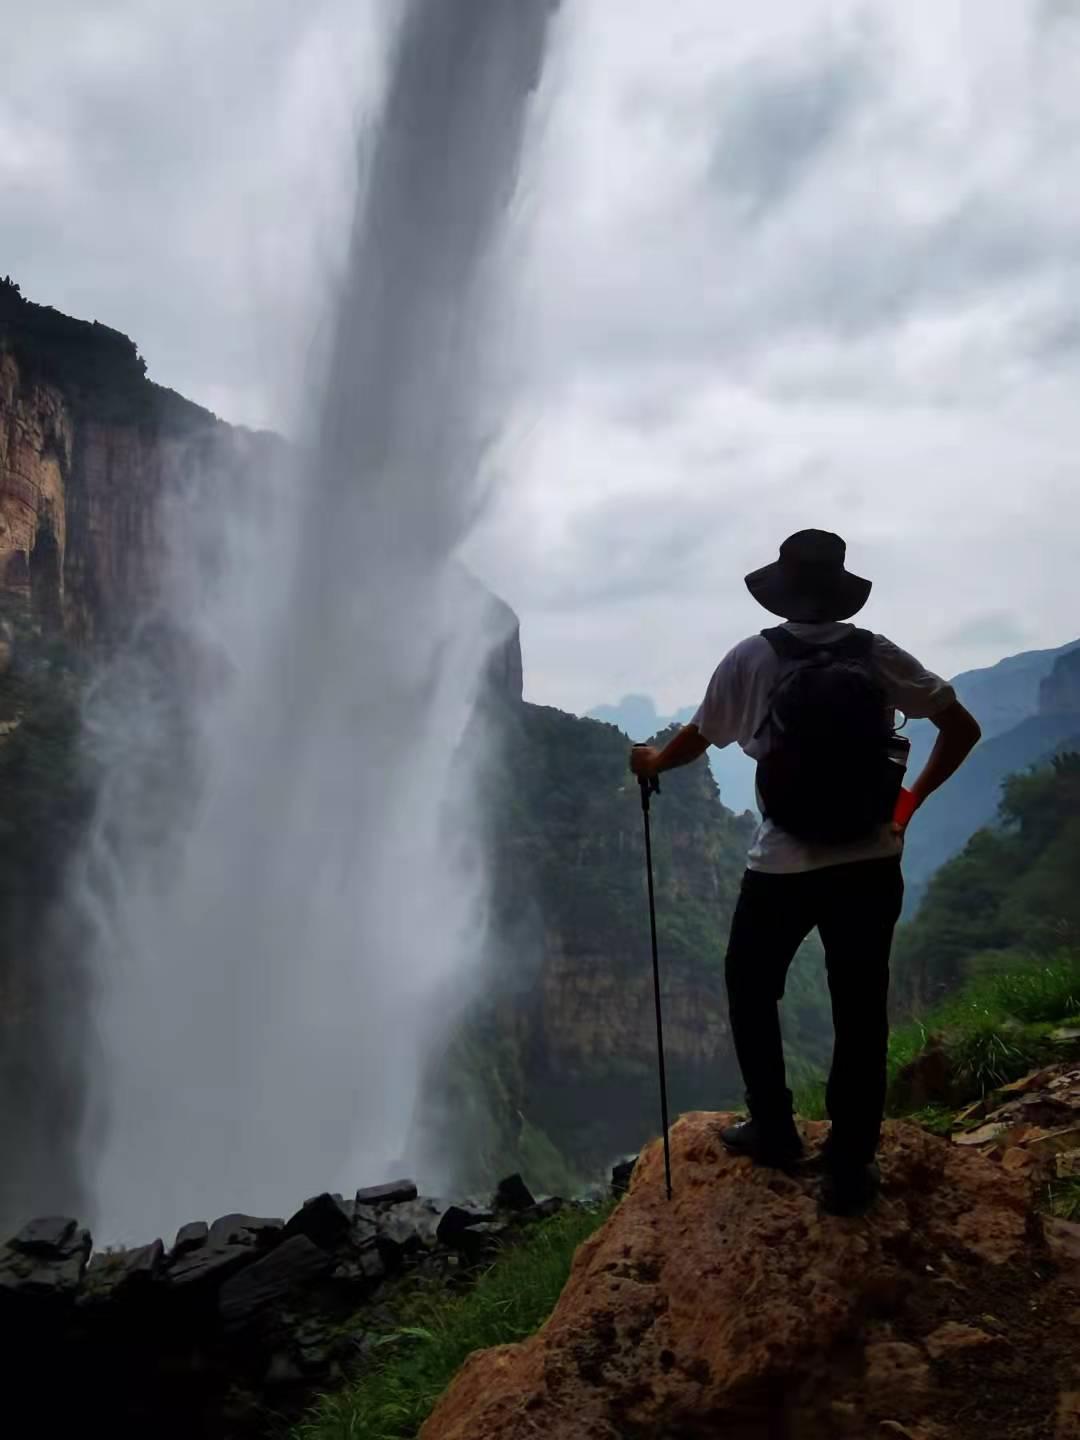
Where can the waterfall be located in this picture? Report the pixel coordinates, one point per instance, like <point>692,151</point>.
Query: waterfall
<point>276,941</point>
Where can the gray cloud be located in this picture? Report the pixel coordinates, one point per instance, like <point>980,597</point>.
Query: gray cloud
<point>777,266</point>
<point>778,122</point>
<point>995,630</point>
<point>176,171</point>
<point>1057,12</point>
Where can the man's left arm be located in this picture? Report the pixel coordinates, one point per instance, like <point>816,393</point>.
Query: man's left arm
<point>958,734</point>
<point>921,694</point>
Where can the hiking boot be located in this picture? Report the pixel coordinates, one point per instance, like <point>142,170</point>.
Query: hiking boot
<point>850,1189</point>
<point>778,1145</point>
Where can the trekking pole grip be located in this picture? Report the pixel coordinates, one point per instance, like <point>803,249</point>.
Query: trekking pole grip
<point>648,785</point>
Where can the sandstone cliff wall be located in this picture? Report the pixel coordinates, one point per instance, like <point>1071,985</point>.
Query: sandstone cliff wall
<point>81,497</point>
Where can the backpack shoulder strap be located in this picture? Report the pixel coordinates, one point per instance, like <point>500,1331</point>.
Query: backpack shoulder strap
<point>786,645</point>
<point>857,645</point>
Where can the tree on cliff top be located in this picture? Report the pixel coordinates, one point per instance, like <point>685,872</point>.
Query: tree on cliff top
<point>98,369</point>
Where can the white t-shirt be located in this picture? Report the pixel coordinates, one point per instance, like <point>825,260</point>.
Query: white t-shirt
<point>735,706</point>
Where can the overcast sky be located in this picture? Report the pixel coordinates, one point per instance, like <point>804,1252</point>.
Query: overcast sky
<point>778,265</point>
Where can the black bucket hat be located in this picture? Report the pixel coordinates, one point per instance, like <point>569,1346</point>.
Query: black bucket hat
<point>809,581</point>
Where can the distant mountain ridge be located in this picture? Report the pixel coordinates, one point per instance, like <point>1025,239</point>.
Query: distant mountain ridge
<point>1047,682</point>
<point>1000,696</point>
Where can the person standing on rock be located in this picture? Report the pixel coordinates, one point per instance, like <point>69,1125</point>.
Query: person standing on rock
<point>813,701</point>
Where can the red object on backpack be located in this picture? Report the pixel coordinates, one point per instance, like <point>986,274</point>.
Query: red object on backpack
<point>906,805</point>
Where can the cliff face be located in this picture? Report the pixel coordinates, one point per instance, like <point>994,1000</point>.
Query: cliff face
<point>36,439</point>
<point>1059,693</point>
<point>554,1069</point>
<point>90,454</point>
<point>89,451</point>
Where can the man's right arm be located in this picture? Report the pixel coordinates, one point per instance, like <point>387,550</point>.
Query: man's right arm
<point>684,747</point>
<point>714,724</point>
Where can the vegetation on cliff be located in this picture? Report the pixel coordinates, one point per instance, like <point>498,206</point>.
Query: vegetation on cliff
<point>45,803</point>
<point>1012,889</point>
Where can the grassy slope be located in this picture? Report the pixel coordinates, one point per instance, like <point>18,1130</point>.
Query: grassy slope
<point>994,1029</point>
<point>440,1328</point>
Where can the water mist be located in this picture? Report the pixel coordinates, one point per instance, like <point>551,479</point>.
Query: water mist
<point>274,952</point>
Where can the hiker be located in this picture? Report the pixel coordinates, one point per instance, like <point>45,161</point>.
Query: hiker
<point>814,702</point>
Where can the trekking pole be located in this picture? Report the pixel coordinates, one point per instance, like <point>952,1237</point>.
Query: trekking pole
<point>651,786</point>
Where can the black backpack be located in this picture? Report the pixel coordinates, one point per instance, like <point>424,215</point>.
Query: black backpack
<point>833,769</point>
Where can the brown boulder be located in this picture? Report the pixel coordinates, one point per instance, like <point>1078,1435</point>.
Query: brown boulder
<point>953,1336</point>
<point>927,1079</point>
<point>741,1310</point>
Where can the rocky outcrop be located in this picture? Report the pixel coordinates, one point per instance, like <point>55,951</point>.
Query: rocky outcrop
<point>504,669</point>
<point>739,1309</point>
<point>244,1317</point>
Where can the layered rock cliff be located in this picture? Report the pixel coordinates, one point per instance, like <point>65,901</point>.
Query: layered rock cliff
<point>89,451</point>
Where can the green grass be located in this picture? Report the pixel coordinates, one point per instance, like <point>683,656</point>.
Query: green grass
<point>1062,1198</point>
<point>440,1329</point>
<point>905,1042</point>
<point>808,1090</point>
<point>938,1119</point>
<point>1044,990</point>
<point>986,1056</point>
<point>993,1028</point>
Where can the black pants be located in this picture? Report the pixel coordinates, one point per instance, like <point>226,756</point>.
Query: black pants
<point>855,908</point>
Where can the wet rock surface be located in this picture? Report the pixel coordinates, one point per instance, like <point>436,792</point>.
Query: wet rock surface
<point>325,1220</point>
<point>119,1272</point>
<point>291,1267</point>
<point>395,1193</point>
<point>513,1194</point>
<point>46,1260</point>
<point>243,1318</point>
<point>741,1309</point>
<point>191,1236</point>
